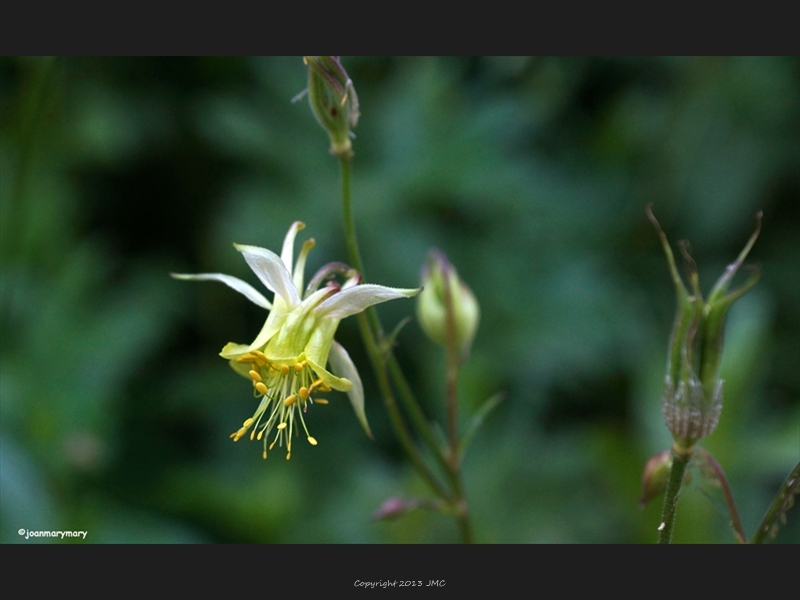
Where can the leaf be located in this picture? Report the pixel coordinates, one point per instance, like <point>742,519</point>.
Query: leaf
<point>478,418</point>
<point>387,343</point>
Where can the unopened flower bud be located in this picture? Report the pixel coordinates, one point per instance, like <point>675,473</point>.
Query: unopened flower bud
<point>333,100</point>
<point>440,279</point>
<point>654,476</point>
<point>396,507</point>
<point>692,399</point>
<point>393,508</point>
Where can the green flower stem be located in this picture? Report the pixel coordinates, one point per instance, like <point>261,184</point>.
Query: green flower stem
<point>741,537</point>
<point>406,395</point>
<point>412,406</point>
<point>451,375</point>
<point>376,331</point>
<point>783,502</point>
<point>371,331</point>
<point>452,368</point>
<point>399,427</point>
<point>679,462</point>
<point>349,222</point>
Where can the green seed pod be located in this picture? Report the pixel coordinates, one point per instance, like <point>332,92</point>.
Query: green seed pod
<point>692,399</point>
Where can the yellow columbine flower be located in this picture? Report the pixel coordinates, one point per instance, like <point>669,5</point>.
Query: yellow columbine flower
<point>286,362</point>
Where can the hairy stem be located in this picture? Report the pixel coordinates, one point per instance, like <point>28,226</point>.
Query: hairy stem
<point>783,502</point>
<point>679,462</point>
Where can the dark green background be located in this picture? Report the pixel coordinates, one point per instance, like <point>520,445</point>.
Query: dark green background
<point>532,174</point>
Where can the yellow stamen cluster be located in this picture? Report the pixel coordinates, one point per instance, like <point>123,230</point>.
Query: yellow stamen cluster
<point>285,388</point>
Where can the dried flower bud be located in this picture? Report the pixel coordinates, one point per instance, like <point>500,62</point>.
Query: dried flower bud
<point>692,399</point>
<point>439,278</point>
<point>654,476</point>
<point>333,100</point>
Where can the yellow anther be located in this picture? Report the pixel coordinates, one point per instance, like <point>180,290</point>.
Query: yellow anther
<point>238,435</point>
<point>321,385</point>
<point>260,435</point>
<point>312,441</point>
<point>272,445</point>
<point>298,367</point>
<point>289,401</point>
<point>320,401</point>
<point>260,355</point>
<point>247,422</point>
<point>262,389</point>
<point>288,455</point>
<point>285,369</point>
<point>252,435</point>
<point>303,393</point>
<point>245,359</point>
<point>265,455</point>
<point>255,375</point>
<point>281,426</point>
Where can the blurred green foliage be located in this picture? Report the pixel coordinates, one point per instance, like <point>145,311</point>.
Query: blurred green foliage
<point>532,174</point>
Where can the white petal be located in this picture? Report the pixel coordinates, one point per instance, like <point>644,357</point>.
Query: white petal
<point>244,288</point>
<point>300,267</point>
<point>343,366</point>
<point>355,299</point>
<point>270,269</point>
<point>287,252</point>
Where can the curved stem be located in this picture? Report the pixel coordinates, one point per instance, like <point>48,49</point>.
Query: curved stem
<point>418,417</point>
<point>741,537</point>
<point>385,364</point>
<point>679,462</point>
<point>371,331</point>
<point>398,425</point>
<point>376,330</point>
